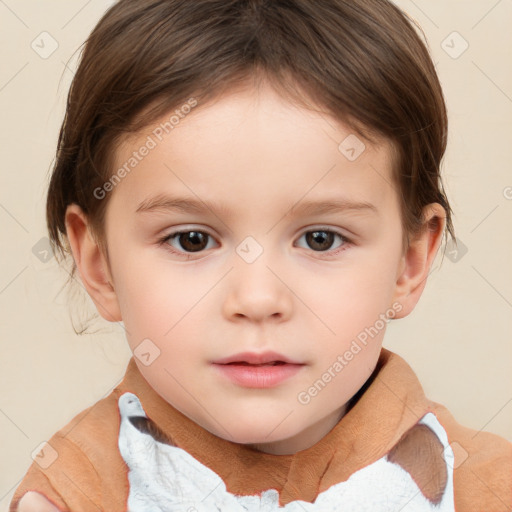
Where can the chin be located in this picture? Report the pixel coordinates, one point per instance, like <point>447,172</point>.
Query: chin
<point>252,436</point>
<point>258,436</point>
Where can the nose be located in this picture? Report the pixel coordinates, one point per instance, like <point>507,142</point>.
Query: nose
<point>257,293</point>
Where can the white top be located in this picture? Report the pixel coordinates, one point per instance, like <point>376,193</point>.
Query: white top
<point>165,478</point>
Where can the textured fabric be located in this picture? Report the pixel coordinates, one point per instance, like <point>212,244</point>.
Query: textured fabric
<point>90,474</point>
<point>165,478</point>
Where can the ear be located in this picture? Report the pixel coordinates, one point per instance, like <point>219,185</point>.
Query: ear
<point>91,264</point>
<point>417,259</point>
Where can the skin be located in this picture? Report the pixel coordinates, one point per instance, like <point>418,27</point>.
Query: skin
<point>259,157</point>
<point>35,502</point>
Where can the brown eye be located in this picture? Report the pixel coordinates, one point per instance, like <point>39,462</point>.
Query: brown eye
<point>193,240</point>
<point>188,241</point>
<point>320,240</point>
<point>324,240</point>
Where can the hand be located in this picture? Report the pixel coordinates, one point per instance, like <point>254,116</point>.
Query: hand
<point>34,502</point>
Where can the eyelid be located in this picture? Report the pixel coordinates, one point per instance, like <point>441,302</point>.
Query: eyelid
<point>330,229</point>
<point>175,232</point>
<point>186,229</point>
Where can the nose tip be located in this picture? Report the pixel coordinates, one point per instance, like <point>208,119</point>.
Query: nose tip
<point>254,292</point>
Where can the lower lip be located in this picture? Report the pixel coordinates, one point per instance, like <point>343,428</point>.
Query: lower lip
<point>258,376</point>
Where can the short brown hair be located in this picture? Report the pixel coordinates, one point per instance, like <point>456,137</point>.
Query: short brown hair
<point>362,61</point>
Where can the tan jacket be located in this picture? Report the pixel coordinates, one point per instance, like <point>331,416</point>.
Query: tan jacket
<point>89,474</point>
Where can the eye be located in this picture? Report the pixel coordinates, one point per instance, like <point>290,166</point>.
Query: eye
<point>183,242</point>
<point>321,240</point>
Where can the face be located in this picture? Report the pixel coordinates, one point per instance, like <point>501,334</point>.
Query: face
<point>246,229</point>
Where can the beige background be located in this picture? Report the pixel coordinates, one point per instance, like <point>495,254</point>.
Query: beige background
<point>458,338</point>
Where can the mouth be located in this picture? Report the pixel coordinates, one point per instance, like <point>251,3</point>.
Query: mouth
<point>268,358</point>
<point>244,363</point>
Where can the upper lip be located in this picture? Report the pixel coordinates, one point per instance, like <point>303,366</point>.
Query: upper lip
<point>256,358</point>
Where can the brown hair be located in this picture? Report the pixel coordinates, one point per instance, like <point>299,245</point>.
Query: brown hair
<point>360,60</point>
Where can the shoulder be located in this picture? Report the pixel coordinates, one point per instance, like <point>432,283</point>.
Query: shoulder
<point>449,461</point>
<point>85,452</point>
<point>90,434</point>
<point>482,470</point>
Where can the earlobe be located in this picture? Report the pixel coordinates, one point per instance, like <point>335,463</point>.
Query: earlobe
<point>91,264</point>
<point>418,258</point>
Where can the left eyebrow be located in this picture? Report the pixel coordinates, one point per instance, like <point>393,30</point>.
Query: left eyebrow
<point>332,206</point>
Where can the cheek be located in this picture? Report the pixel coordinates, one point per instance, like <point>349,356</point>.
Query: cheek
<point>352,296</point>
<point>161,305</point>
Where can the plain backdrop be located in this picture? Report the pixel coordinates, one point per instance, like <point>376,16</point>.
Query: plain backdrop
<point>458,339</point>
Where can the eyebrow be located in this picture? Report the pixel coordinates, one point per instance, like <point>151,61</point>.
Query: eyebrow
<point>332,206</point>
<point>166,203</point>
<point>163,203</point>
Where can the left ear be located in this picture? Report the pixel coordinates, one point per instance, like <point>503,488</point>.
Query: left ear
<point>418,257</point>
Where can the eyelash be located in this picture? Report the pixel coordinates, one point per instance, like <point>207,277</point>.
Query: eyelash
<point>187,255</point>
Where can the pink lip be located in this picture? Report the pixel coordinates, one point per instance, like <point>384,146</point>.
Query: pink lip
<point>255,358</point>
<point>244,369</point>
<point>250,376</point>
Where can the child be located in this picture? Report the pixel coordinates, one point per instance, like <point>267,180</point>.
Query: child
<point>300,141</point>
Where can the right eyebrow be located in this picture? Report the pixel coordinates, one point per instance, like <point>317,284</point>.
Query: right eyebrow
<point>165,203</point>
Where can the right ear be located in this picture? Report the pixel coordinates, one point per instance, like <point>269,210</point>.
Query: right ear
<point>91,264</point>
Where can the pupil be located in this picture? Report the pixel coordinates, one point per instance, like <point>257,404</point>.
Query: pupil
<point>317,240</point>
<point>190,240</point>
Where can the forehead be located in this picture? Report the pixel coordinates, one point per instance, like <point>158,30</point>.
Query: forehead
<point>257,141</point>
